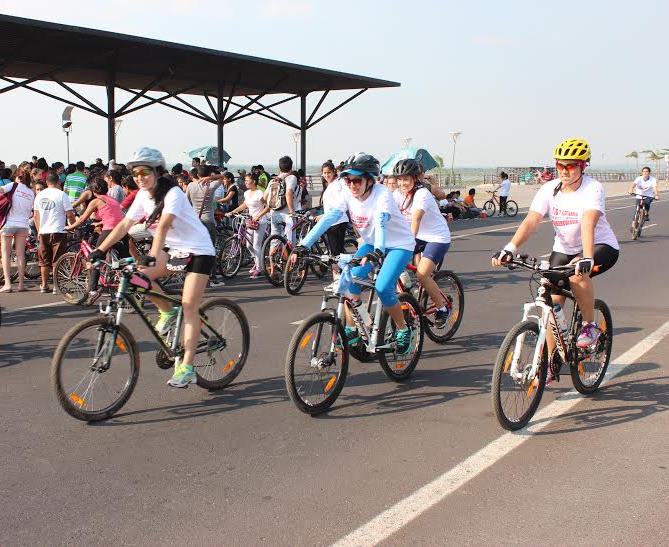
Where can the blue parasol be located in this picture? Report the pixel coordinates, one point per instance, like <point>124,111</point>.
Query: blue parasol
<point>420,154</point>
<point>209,153</point>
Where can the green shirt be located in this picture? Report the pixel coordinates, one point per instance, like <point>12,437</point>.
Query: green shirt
<point>75,184</point>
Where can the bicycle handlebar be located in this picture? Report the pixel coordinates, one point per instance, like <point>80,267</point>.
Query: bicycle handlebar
<point>642,196</point>
<point>535,265</point>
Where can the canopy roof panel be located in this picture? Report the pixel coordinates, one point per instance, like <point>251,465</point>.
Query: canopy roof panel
<point>36,49</point>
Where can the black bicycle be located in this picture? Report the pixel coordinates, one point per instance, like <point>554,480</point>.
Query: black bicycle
<point>96,364</point>
<point>521,368</point>
<point>639,215</point>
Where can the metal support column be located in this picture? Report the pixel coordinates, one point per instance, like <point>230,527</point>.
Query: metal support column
<point>111,109</point>
<point>219,122</point>
<point>303,132</point>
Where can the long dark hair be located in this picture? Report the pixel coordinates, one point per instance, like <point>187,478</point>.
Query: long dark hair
<point>164,184</point>
<point>417,185</point>
<point>334,170</point>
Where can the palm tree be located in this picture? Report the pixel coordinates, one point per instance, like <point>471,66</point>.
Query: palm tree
<point>634,154</point>
<point>656,156</point>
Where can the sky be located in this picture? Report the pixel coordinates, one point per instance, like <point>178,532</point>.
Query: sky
<point>515,76</point>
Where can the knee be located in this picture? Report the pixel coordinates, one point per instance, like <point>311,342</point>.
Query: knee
<point>422,275</point>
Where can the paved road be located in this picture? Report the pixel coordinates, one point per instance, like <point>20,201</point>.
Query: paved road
<point>244,467</point>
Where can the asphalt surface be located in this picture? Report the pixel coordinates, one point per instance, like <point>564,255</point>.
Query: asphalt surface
<point>244,467</point>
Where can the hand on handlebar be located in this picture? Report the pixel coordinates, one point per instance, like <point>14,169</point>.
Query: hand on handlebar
<point>502,257</point>
<point>375,257</point>
<point>147,261</point>
<point>298,251</point>
<point>584,266</point>
<point>96,255</point>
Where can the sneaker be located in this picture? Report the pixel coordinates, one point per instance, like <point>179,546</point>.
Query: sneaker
<point>255,274</point>
<point>92,297</point>
<point>44,290</point>
<point>440,318</point>
<point>402,340</point>
<point>331,287</point>
<point>646,217</point>
<point>183,376</point>
<point>54,291</point>
<point>215,282</point>
<point>588,336</point>
<point>166,321</point>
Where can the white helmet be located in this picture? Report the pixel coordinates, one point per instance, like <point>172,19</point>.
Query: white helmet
<point>146,156</point>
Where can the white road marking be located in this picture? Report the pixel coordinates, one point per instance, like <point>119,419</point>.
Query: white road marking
<point>403,512</point>
<point>50,305</point>
<point>650,225</point>
<point>298,322</point>
<point>545,256</point>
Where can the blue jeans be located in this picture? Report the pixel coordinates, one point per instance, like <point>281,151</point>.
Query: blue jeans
<point>393,265</point>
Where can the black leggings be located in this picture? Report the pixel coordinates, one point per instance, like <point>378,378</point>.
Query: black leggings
<point>336,237</point>
<point>121,246</point>
<point>605,258</point>
<point>502,204</point>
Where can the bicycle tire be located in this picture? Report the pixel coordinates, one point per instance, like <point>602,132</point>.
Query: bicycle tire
<point>457,306</point>
<point>72,402</point>
<point>635,225</point>
<point>511,208</point>
<point>489,207</point>
<point>233,363</point>
<point>402,369</point>
<point>604,346</point>
<point>273,263</point>
<point>295,275</point>
<point>230,257</point>
<point>502,364</point>
<point>330,384</point>
<point>71,278</point>
<point>319,269</point>
<point>32,264</point>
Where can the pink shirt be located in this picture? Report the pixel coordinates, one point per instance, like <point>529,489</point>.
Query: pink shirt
<point>110,213</point>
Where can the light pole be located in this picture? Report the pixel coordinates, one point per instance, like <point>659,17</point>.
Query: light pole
<point>66,124</point>
<point>296,138</point>
<point>406,142</point>
<point>454,137</point>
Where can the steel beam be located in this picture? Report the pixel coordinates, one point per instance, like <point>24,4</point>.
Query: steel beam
<point>51,96</point>
<point>332,111</point>
<point>320,102</point>
<point>111,133</point>
<point>220,123</point>
<point>303,132</point>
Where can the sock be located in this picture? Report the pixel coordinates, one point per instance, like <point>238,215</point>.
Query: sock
<point>443,308</point>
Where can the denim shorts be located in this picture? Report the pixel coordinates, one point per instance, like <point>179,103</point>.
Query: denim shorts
<point>14,230</point>
<point>434,251</point>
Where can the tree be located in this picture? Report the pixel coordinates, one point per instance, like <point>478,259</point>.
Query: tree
<point>439,160</point>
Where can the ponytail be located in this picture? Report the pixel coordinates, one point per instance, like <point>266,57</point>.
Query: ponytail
<point>165,184</point>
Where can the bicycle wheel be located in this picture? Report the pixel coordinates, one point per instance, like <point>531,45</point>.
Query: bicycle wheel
<point>589,367</point>
<point>71,278</point>
<point>399,367</point>
<point>315,376</point>
<point>32,264</point>
<point>294,275</point>
<point>319,269</point>
<point>515,398</point>
<point>221,354</point>
<point>489,207</point>
<point>636,228</point>
<point>450,286</point>
<point>94,369</point>
<point>275,253</point>
<point>230,258</point>
<point>511,208</point>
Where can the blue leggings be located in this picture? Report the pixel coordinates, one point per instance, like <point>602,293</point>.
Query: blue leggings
<point>393,265</point>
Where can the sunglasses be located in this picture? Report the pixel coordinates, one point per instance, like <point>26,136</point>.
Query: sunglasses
<point>354,180</point>
<point>142,172</point>
<point>566,166</point>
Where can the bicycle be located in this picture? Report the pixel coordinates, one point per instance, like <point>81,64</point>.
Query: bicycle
<point>276,249</point>
<point>521,367</point>
<point>450,288</point>
<point>235,249</point>
<point>493,203</point>
<point>317,357</point>
<point>639,215</point>
<point>83,359</point>
<point>32,270</point>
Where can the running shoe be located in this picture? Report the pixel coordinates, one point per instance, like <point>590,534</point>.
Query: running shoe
<point>402,340</point>
<point>255,274</point>
<point>166,321</point>
<point>440,318</point>
<point>588,336</point>
<point>183,376</point>
<point>215,282</point>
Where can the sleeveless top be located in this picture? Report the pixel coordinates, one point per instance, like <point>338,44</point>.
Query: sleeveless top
<point>110,213</point>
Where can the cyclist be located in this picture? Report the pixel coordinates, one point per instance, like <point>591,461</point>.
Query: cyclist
<point>583,236</point>
<point>504,188</point>
<point>645,188</point>
<point>188,247</point>
<point>384,233</point>
<point>433,238</point>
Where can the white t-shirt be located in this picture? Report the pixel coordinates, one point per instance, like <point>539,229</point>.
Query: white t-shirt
<point>433,227</point>
<point>52,204</point>
<point>330,197</point>
<point>566,211</point>
<point>364,214</point>
<point>255,202</point>
<point>187,234</point>
<point>504,188</point>
<point>22,205</point>
<point>645,187</point>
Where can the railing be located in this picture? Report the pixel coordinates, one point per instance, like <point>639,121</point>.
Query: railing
<point>532,177</point>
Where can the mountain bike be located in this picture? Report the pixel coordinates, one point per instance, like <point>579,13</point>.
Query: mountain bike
<point>450,288</point>
<point>32,270</point>
<point>317,357</point>
<point>493,204</point>
<point>96,364</point>
<point>639,215</point>
<point>521,368</point>
<point>234,251</point>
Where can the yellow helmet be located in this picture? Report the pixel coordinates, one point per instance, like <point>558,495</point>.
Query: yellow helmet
<point>572,149</point>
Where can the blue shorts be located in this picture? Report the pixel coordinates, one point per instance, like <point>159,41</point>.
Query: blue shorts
<point>434,251</point>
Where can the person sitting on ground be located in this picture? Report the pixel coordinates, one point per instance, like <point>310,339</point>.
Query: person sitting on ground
<point>472,210</point>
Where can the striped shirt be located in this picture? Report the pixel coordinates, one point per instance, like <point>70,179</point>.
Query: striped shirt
<point>75,184</point>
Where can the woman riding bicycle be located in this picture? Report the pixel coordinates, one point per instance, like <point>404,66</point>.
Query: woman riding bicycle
<point>433,238</point>
<point>384,233</point>
<point>180,241</point>
<point>583,236</point>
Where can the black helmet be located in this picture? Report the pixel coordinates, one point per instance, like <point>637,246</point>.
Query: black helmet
<point>407,167</point>
<point>361,164</point>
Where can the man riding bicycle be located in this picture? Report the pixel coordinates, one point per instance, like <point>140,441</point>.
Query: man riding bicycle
<point>645,188</point>
<point>583,236</point>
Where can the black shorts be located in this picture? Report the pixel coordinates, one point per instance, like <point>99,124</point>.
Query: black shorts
<point>605,257</point>
<point>201,264</point>
<point>336,237</point>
